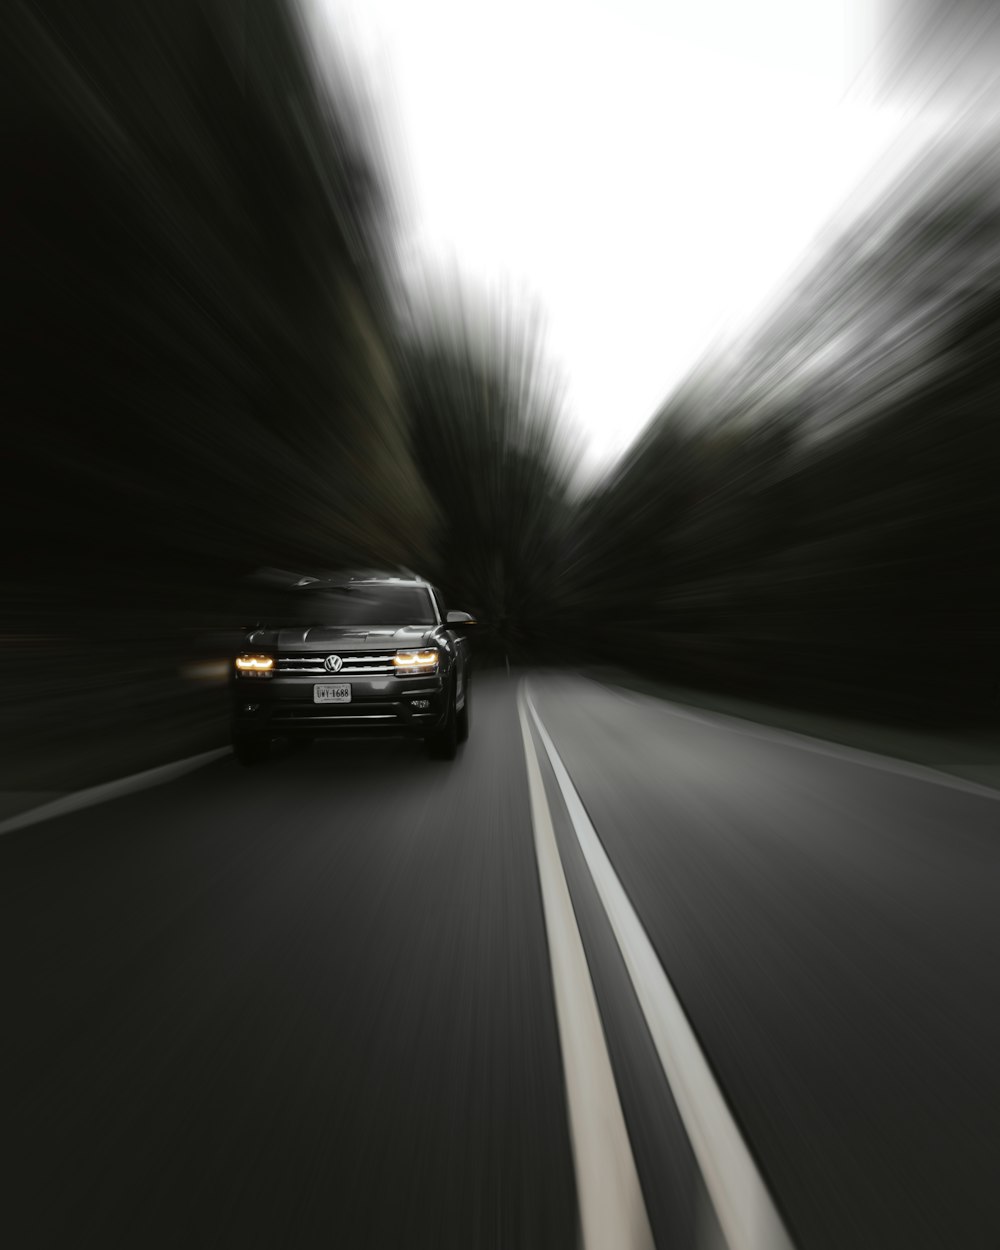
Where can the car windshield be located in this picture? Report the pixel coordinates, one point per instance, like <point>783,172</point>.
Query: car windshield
<point>364,605</point>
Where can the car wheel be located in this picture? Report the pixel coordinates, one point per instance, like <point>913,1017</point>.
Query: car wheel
<point>462,719</point>
<point>443,743</point>
<point>251,749</point>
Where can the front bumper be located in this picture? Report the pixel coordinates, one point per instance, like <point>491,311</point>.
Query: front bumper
<point>283,706</point>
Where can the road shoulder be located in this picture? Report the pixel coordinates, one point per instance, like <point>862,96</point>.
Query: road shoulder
<point>972,757</point>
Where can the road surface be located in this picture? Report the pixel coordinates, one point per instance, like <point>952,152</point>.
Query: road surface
<point>329,1003</point>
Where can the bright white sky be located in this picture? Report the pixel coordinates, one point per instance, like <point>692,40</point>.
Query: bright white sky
<point>648,170</point>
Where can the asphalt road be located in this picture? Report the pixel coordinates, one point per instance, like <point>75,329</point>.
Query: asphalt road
<point>312,1004</point>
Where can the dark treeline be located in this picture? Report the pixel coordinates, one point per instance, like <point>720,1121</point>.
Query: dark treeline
<point>815,517</point>
<point>198,292</point>
<point>489,443</point>
<point>201,360</point>
<point>212,369</point>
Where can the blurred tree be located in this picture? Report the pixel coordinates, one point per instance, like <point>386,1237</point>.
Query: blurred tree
<point>201,357</point>
<point>487,437</point>
<point>816,516</point>
<point>211,369</point>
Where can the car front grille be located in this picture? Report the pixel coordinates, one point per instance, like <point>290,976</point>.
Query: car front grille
<point>355,664</point>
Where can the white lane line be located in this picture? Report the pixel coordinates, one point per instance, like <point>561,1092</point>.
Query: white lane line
<point>612,1210</point>
<point>111,790</point>
<point>745,1209</point>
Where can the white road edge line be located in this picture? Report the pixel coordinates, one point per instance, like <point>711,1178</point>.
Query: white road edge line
<point>612,1209</point>
<point>103,793</point>
<point>745,1209</point>
<point>806,742</point>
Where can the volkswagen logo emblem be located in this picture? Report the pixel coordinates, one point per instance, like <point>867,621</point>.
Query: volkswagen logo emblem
<point>333,663</point>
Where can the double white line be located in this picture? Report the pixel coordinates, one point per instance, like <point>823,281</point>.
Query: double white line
<point>612,1212</point>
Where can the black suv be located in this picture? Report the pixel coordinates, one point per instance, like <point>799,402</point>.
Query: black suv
<point>365,655</point>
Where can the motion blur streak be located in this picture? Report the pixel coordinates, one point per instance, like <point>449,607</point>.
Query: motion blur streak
<point>814,514</point>
<point>320,997</point>
<point>941,54</point>
<point>200,358</point>
<point>216,367</point>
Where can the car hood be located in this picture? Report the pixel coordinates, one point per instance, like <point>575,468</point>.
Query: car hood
<point>334,638</point>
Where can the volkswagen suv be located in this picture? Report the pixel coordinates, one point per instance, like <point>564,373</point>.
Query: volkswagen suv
<point>356,655</point>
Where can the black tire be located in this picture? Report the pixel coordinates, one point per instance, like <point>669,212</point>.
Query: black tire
<point>251,749</point>
<point>442,744</point>
<point>462,719</point>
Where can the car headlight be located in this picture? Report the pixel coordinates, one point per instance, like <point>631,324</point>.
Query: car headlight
<point>255,665</point>
<point>415,663</point>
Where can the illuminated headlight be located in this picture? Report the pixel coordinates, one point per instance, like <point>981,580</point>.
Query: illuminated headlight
<point>255,666</point>
<point>415,663</point>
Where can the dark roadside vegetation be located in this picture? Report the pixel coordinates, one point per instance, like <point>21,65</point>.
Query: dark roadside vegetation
<point>214,368</point>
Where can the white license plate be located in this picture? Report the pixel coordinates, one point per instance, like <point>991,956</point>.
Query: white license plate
<point>332,694</point>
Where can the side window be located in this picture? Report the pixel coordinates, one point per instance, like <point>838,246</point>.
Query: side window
<point>439,600</point>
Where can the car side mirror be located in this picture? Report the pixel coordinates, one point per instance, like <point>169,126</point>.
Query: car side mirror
<point>460,618</point>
